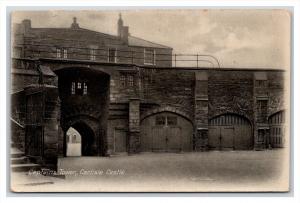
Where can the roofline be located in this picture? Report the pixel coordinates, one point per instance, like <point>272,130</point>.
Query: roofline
<point>84,29</point>
<point>108,35</point>
<point>151,47</point>
<point>166,47</point>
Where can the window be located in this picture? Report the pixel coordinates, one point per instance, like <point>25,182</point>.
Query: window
<point>84,88</point>
<point>262,111</point>
<point>112,55</point>
<point>123,80</point>
<point>171,120</point>
<point>65,54</point>
<point>130,80</point>
<point>79,88</point>
<point>160,120</point>
<point>92,54</point>
<point>58,53</point>
<point>262,106</point>
<point>149,56</point>
<point>261,83</point>
<point>73,88</point>
<point>126,80</point>
<point>79,85</point>
<point>166,120</point>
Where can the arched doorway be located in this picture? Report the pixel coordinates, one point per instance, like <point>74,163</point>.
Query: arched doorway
<point>79,140</point>
<point>166,132</point>
<point>84,96</point>
<point>230,131</point>
<point>73,142</point>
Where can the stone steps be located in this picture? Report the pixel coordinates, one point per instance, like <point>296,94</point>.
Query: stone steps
<point>16,154</point>
<point>19,162</point>
<point>25,167</point>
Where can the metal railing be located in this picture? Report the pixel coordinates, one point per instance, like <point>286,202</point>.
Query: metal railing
<point>121,55</point>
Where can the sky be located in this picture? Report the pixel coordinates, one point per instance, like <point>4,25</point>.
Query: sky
<point>238,38</point>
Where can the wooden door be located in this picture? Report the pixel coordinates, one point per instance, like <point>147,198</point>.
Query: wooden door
<point>276,122</point>
<point>34,140</point>
<point>227,137</point>
<point>173,139</point>
<point>166,132</point>
<point>214,138</point>
<point>230,131</point>
<point>159,139</point>
<point>120,140</point>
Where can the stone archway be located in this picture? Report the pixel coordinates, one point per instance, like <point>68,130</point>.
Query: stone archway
<point>166,131</point>
<point>88,138</point>
<point>84,96</point>
<point>230,132</point>
<point>92,137</point>
<point>166,109</point>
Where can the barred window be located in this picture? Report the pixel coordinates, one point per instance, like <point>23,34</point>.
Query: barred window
<point>79,85</point>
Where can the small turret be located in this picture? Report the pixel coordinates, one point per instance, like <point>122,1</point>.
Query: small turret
<point>123,31</point>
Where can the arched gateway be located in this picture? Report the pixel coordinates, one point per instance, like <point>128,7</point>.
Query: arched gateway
<point>90,143</point>
<point>166,132</point>
<point>84,95</point>
<point>230,131</point>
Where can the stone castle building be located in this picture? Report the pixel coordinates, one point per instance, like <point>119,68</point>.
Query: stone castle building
<point>124,95</point>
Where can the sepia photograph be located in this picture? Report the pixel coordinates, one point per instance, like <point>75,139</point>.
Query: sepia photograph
<point>150,100</point>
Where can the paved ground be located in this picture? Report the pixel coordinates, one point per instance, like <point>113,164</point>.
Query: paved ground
<point>202,171</point>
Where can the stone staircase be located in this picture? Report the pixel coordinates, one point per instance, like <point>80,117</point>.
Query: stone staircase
<point>19,162</point>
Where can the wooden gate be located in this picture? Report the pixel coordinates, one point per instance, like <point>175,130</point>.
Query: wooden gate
<point>229,131</point>
<point>276,122</point>
<point>166,139</point>
<point>166,132</point>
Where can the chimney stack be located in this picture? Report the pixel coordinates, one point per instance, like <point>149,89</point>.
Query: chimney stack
<point>26,24</point>
<point>75,25</point>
